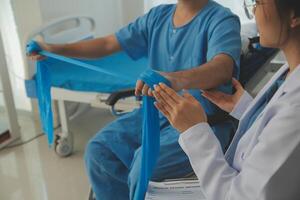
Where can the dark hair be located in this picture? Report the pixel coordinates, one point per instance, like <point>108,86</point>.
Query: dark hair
<point>285,6</point>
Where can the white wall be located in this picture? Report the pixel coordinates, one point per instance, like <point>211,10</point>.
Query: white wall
<point>17,20</point>
<point>131,10</point>
<point>151,3</point>
<point>110,15</point>
<point>1,94</point>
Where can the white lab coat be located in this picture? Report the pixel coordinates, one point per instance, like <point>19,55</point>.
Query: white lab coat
<point>264,162</point>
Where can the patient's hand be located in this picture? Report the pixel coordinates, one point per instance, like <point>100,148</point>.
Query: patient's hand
<point>35,56</point>
<point>183,112</point>
<point>224,101</point>
<point>143,89</point>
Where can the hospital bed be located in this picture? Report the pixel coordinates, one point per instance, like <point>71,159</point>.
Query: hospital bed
<point>73,84</point>
<point>83,86</point>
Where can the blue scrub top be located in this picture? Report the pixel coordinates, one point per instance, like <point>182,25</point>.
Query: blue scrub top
<point>214,30</point>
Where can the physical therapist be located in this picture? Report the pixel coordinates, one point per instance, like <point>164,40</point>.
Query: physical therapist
<point>263,160</point>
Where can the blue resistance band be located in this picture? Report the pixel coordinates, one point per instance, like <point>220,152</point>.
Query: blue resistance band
<point>151,128</point>
<point>43,84</point>
<point>43,92</point>
<point>34,47</point>
<point>151,135</point>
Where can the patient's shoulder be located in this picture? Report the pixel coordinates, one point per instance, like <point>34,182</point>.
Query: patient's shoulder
<point>215,14</point>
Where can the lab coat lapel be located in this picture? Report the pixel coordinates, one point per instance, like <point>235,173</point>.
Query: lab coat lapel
<point>289,84</point>
<point>246,117</point>
<point>260,95</point>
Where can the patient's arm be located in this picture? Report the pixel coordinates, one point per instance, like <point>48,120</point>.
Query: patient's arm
<point>94,48</point>
<point>207,76</point>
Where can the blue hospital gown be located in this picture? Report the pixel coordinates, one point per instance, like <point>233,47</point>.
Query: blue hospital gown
<point>111,156</point>
<point>215,30</point>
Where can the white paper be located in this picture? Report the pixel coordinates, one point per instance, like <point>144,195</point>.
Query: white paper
<point>175,190</point>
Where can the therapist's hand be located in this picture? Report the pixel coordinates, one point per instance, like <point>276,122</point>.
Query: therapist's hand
<point>182,112</point>
<point>225,101</point>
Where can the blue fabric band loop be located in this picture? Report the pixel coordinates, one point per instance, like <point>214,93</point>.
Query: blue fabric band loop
<point>151,135</point>
<point>43,84</point>
<point>151,78</point>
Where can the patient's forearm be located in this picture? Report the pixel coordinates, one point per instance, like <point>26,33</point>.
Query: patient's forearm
<point>94,48</point>
<point>207,76</point>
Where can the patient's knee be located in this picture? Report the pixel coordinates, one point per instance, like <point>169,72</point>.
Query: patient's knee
<point>92,155</point>
<point>97,155</point>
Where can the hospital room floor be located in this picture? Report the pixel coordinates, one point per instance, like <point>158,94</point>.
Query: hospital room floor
<point>34,172</point>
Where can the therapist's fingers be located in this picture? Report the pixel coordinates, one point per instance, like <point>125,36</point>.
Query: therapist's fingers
<point>212,99</point>
<point>162,109</point>
<point>237,85</point>
<point>224,101</point>
<point>166,98</point>
<point>209,97</point>
<point>150,92</point>
<point>162,101</point>
<point>139,87</point>
<point>173,95</point>
<point>189,97</point>
<point>214,96</point>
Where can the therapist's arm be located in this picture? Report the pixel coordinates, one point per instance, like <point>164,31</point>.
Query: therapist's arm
<point>278,140</point>
<point>207,76</point>
<point>90,49</point>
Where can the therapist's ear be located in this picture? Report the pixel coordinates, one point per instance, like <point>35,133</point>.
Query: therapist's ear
<point>295,20</point>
